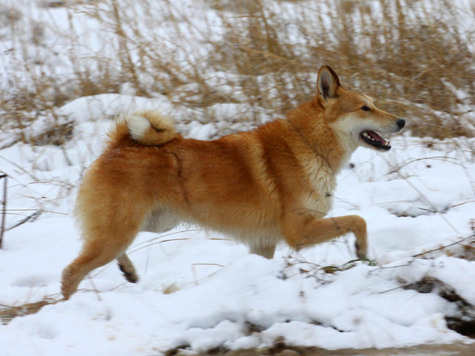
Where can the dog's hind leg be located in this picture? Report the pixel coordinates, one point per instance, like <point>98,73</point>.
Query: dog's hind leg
<point>159,220</point>
<point>102,245</point>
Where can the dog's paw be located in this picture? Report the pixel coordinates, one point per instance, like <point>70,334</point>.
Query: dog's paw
<point>129,274</point>
<point>361,252</point>
<point>70,280</point>
<point>67,288</point>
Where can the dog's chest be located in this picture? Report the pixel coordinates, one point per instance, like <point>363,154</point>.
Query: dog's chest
<point>318,195</point>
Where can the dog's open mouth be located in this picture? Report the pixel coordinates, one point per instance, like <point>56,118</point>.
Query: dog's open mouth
<point>373,139</point>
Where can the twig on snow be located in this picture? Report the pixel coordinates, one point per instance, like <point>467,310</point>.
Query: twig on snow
<point>460,242</point>
<point>4,207</point>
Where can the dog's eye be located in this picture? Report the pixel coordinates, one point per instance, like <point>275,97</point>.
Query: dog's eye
<point>365,108</point>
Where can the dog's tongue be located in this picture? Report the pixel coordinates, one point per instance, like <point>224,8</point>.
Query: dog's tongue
<point>378,138</point>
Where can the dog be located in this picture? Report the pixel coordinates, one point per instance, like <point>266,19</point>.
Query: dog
<point>265,186</point>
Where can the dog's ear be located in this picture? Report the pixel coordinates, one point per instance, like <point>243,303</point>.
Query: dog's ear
<point>327,82</point>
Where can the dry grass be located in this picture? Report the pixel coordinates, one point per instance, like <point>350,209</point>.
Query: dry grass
<point>412,65</point>
<point>7,313</point>
<point>412,56</point>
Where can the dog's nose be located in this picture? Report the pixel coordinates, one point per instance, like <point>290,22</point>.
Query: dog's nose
<point>400,123</point>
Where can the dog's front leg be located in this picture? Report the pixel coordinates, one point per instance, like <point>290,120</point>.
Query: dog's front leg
<point>303,230</point>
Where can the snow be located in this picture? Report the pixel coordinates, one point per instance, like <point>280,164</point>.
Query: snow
<point>200,289</point>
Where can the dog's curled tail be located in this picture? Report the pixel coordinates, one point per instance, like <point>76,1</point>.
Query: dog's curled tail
<point>149,127</point>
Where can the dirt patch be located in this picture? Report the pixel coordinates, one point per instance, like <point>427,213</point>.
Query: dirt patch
<point>446,350</point>
<point>463,320</point>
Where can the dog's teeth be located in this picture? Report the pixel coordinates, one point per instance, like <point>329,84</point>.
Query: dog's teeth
<point>368,136</point>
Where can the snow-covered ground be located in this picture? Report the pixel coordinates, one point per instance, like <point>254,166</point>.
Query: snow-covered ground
<point>200,290</point>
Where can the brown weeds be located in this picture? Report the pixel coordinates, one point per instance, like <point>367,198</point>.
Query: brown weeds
<point>413,57</point>
<point>7,313</point>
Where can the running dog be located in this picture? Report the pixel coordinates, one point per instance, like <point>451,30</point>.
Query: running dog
<point>265,186</point>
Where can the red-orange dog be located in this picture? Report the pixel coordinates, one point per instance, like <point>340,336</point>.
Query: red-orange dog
<point>261,187</point>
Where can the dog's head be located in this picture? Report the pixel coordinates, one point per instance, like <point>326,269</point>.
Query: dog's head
<point>354,115</point>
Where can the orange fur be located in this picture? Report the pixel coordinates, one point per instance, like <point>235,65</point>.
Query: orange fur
<point>264,186</point>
